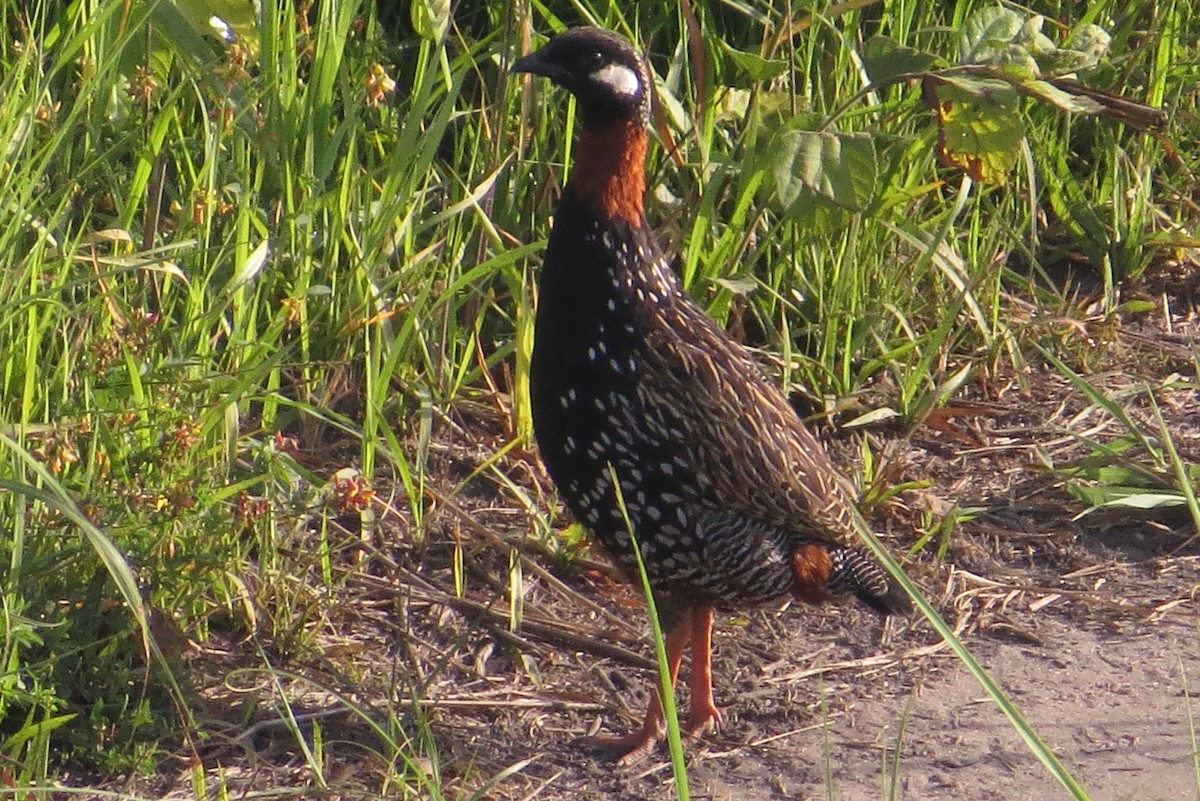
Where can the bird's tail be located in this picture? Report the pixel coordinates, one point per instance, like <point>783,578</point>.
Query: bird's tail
<point>859,574</point>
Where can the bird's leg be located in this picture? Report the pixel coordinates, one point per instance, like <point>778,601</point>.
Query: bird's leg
<point>704,714</point>
<point>629,748</point>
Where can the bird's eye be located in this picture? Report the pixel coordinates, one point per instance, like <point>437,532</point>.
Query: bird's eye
<point>591,61</point>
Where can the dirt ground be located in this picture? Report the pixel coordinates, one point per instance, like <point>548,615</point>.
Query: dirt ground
<point>1089,623</point>
<point>816,704</point>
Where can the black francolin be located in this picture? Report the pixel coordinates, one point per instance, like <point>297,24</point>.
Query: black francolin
<point>653,423</point>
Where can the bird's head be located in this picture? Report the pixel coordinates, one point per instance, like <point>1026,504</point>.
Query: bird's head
<point>607,76</point>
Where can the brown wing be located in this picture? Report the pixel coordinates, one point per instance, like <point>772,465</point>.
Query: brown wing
<point>741,431</point>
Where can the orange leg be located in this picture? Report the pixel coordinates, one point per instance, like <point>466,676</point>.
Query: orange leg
<point>629,748</point>
<point>704,714</point>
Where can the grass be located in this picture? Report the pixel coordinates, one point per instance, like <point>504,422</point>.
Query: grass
<point>233,269</point>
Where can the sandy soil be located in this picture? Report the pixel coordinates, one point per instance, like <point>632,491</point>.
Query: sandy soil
<point>1111,700</point>
<point>1113,707</point>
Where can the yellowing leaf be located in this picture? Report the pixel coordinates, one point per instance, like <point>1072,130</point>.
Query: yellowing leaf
<point>979,125</point>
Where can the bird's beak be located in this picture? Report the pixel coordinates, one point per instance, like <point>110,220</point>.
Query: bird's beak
<point>536,64</point>
<point>530,63</point>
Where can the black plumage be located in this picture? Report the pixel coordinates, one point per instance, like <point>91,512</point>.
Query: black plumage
<point>651,420</point>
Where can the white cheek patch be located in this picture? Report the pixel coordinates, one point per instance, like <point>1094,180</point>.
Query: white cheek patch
<point>620,79</point>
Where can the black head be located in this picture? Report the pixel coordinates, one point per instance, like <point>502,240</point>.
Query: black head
<point>601,69</point>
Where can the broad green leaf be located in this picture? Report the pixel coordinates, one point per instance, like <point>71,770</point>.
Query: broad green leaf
<point>1000,37</point>
<point>1031,37</point>
<point>755,66</point>
<point>985,32</point>
<point>840,167</point>
<point>979,125</point>
<point>1089,39</point>
<point>1065,61</point>
<point>430,18</point>
<point>1016,61</point>
<point>885,59</point>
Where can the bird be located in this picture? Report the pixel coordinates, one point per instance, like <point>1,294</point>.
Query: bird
<point>662,434</point>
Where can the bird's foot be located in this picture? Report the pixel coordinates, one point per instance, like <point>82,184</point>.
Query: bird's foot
<point>703,718</point>
<point>624,749</point>
<point>629,749</point>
